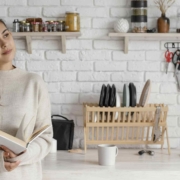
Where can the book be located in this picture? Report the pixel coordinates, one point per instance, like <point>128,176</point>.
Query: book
<point>17,145</point>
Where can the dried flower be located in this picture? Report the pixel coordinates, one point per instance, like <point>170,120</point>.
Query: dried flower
<point>163,5</point>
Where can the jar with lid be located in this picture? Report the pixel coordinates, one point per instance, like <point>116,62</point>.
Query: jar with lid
<point>61,26</point>
<point>54,26</point>
<point>35,26</point>
<point>72,21</point>
<point>45,26</point>
<point>139,16</point>
<point>178,23</point>
<point>41,27</point>
<point>50,26</point>
<point>16,25</point>
<point>22,26</point>
<point>27,27</point>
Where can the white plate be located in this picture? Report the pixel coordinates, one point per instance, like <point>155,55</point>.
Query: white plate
<point>95,117</point>
<point>145,94</point>
<point>118,104</point>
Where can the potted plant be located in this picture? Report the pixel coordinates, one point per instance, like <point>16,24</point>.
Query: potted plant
<point>163,23</point>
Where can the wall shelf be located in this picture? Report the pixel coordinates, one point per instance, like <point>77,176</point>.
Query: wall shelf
<point>62,35</point>
<point>141,36</point>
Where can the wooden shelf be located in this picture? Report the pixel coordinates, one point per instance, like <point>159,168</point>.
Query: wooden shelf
<point>141,36</point>
<point>62,35</point>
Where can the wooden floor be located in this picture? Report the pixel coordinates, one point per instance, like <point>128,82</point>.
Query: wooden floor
<point>129,166</point>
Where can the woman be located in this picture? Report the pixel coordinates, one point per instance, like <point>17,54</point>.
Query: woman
<point>24,100</point>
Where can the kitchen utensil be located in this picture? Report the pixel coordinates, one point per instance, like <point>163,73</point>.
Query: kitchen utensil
<point>145,151</point>
<point>168,56</point>
<point>157,132</point>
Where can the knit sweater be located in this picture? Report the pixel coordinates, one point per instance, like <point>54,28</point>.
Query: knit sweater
<point>24,97</point>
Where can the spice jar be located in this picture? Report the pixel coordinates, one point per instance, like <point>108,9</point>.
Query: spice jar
<point>27,27</point>
<point>45,26</point>
<point>139,16</point>
<point>72,21</point>
<point>61,26</point>
<point>41,27</point>
<point>35,26</point>
<point>50,25</point>
<point>54,26</point>
<point>22,26</point>
<point>178,23</point>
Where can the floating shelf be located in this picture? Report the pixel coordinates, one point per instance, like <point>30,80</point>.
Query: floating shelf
<point>139,36</point>
<point>63,36</point>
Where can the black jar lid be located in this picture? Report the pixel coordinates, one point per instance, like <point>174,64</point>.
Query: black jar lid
<point>138,18</point>
<point>138,4</point>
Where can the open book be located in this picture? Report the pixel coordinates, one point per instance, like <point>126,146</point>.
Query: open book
<point>17,145</point>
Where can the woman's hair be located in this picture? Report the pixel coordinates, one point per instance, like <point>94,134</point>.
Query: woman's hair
<point>1,21</point>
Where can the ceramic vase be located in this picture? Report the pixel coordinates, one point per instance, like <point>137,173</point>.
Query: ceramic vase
<point>163,24</point>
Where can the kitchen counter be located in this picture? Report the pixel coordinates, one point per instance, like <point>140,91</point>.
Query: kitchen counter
<point>129,166</point>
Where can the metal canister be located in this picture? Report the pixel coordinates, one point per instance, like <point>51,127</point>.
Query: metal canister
<point>61,26</point>
<point>27,27</point>
<point>16,25</point>
<point>72,21</point>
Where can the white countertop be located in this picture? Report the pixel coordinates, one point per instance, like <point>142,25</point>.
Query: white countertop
<point>129,166</point>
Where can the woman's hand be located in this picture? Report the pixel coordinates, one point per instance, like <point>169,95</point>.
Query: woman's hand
<point>9,154</point>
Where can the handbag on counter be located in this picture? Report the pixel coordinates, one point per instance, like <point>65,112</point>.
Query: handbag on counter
<point>63,132</point>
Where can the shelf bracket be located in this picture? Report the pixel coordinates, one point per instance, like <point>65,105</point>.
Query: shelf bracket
<point>126,44</point>
<point>28,43</point>
<point>63,43</point>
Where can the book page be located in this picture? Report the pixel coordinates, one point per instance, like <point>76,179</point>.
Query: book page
<point>38,133</point>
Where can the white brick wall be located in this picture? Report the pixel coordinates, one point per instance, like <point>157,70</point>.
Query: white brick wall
<point>95,59</point>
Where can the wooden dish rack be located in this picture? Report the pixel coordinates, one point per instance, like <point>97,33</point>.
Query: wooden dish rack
<point>123,125</point>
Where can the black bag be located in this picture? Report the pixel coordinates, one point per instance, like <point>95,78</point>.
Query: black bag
<point>63,132</point>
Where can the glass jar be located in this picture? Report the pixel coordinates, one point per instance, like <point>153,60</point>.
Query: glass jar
<point>61,26</point>
<point>139,16</point>
<point>41,27</point>
<point>45,26</point>
<point>27,27</point>
<point>50,26</point>
<point>178,23</point>
<point>22,26</point>
<point>54,26</point>
<point>72,21</point>
<point>35,26</point>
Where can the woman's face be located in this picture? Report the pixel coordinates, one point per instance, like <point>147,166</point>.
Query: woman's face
<point>7,46</point>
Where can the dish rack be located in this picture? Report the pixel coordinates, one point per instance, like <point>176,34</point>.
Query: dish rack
<point>123,125</point>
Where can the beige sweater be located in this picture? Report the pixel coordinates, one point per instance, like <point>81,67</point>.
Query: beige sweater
<point>24,97</point>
